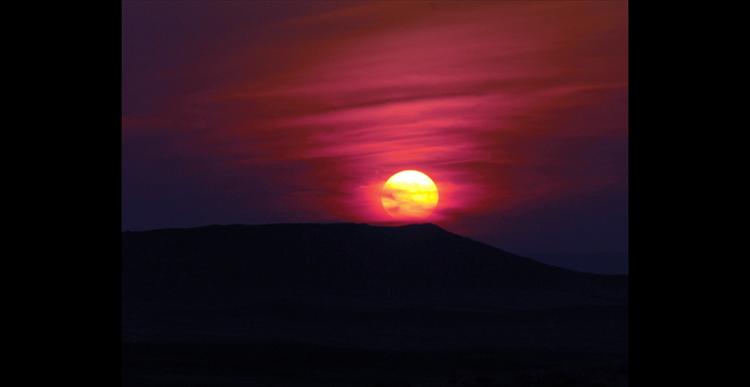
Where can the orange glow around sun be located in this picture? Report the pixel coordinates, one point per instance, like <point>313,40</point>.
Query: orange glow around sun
<point>409,194</point>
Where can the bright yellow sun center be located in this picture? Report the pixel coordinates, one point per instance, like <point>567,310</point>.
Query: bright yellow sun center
<point>409,195</point>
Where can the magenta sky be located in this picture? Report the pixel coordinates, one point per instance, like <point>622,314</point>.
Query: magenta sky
<point>264,112</point>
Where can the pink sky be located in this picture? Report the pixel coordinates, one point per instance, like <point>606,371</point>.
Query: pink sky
<point>261,112</point>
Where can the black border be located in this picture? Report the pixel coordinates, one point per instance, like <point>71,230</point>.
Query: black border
<point>69,71</point>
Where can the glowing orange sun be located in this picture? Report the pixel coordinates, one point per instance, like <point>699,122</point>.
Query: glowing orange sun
<point>409,194</point>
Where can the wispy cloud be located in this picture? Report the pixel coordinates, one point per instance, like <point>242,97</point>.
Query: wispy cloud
<point>506,105</point>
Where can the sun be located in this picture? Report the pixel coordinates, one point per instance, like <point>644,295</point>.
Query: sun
<point>409,194</point>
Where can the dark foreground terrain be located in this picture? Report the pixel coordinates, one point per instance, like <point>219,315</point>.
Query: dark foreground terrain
<point>357,305</point>
<point>289,364</point>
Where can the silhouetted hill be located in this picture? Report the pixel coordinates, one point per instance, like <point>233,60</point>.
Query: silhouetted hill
<point>180,279</point>
<point>359,305</point>
<point>357,264</point>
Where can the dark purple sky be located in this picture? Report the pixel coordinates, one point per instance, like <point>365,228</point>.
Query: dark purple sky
<point>266,112</point>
